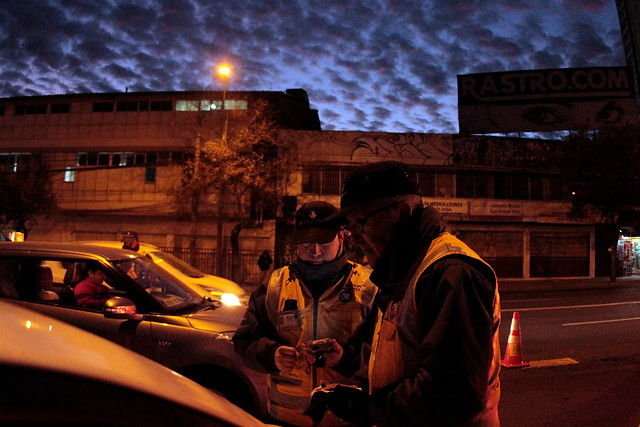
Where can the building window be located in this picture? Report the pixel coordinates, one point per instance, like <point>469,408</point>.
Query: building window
<point>31,109</point>
<point>82,159</point>
<point>92,159</point>
<point>179,158</point>
<point>325,180</point>
<point>555,189</point>
<point>161,106</point>
<point>11,161</point>
<point>63,108</point>
<point>103,107</point>
<point>127,106</point>
<point>103,159</point>
<point>537,188</point>
<point>122,159</point>
<point>502,187</point>
<point>150,175</point>
<point>206,105</point>
<point>445,185</point>
<point>69,174</point>
<point>520,187</point>
<point>473,186</point>
<point>1,110</point>
<point>235,105</point>
<point>426,183</point>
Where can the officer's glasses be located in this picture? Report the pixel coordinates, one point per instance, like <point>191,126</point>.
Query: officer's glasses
<point>357,225</point>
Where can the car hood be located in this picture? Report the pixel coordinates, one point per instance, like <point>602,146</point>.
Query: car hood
<point>223,319</point>
<point>72,351</point>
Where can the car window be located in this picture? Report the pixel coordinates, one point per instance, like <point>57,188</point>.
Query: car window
<point>48,280</point>
<point>155,282</point>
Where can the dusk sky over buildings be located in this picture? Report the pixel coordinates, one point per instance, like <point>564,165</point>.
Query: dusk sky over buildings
<point>375,65</point>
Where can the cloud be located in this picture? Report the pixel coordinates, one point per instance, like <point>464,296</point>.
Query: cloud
<point>383,65</point>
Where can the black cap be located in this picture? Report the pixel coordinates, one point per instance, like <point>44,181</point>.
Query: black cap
<point>129,234</point>
<point>311,226</point>
<point>373,182</point>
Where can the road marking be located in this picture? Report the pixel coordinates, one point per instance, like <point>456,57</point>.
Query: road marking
<point>564,307</point>
<point>553,362</point>
<point>601,321</point>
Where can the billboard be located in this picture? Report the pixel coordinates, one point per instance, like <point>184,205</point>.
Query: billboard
<point>545,100</point>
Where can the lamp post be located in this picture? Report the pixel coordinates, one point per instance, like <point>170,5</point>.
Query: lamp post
<point>224,72</point>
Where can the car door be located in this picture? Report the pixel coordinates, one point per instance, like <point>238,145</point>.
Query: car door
<point>135,335</point>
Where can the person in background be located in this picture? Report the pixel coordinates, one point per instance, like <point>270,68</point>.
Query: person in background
<point>91,292</point>
<point>130,240</point>
<point>320,296</point>
<point>264,263</point>
<point>435,356</point>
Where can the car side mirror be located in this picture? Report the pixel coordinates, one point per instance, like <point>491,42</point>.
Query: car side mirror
<point>121,308</point>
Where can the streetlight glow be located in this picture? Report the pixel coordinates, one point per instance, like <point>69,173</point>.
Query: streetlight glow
<point>224,70</point>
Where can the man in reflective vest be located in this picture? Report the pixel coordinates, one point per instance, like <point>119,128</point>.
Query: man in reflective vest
<point>435,356</point>
<point>322,296</point>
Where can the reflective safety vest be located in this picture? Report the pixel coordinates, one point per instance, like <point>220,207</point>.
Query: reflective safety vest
<point>393,359</point>
<point>298,318</point>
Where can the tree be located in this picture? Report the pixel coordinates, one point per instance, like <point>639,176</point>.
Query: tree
<point>26,191</point>
<point>602,176</point>
<point>246,166</point>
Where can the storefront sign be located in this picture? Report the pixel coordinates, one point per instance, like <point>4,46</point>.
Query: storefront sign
<point>448,206</point>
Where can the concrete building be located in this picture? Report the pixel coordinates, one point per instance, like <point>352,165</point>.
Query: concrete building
<point>115,156</point>
<point>497,194</point>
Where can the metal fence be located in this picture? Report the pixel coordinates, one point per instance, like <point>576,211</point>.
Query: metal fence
<point>206,262</point>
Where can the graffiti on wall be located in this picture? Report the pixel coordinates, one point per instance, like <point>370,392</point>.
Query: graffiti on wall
<point>504,152</point>
<point>411,148</point>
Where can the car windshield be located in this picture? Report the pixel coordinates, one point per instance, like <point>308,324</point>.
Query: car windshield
<point>178,264</point>
<point>172,294</point>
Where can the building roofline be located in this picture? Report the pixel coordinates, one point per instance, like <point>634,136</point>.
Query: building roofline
<point>110,95</point>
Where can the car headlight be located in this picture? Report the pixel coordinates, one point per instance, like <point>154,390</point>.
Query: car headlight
<point>224,297</point>
<point>230,299</point>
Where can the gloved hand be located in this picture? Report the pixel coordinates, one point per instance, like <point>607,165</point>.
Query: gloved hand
<point>349,403</point>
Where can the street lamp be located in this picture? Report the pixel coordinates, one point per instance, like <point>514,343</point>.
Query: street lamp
<point>224,71</point>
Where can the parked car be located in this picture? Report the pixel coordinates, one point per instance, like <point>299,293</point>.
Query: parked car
<point>55,374</point>
<point>225,290</point>
<point>149,311</point>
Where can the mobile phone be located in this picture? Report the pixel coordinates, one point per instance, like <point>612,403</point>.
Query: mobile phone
<point>322,345</point>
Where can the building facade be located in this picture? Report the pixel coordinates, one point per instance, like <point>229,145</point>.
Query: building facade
<point>497,194</point>
<point>115,157</point>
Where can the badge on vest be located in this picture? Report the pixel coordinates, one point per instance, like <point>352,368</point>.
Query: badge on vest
<point>290,318</point>
<point>345,296</point>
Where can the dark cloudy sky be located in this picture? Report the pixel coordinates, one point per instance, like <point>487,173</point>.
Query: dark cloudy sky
<point>375,65</point>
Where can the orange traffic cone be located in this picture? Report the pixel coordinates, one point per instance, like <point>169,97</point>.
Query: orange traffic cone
<point>513,355</point>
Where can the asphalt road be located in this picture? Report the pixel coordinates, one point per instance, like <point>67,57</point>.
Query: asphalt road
<point>583,343</point>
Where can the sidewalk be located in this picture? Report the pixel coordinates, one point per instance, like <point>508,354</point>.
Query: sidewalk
<point>554,283</point>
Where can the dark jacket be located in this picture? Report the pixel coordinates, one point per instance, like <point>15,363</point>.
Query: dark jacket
<point>448,334</point>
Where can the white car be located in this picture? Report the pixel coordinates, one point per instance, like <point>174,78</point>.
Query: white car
<point>56,374</point>
<point>219,288</point>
